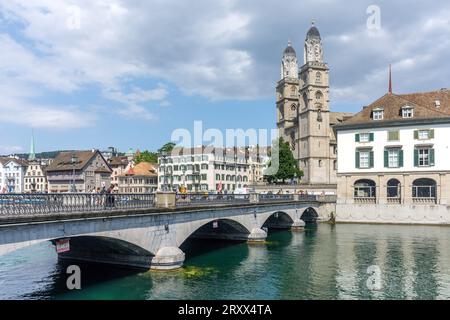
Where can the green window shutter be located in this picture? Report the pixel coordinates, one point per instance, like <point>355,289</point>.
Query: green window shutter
<point>371,162</point>
<point>371,136</point>
<point>416,158</point>
<point>431,157</point>
<point>357,160</point>
<point>386,158</point>
<point>357,137</point>
<point>400,158</point>
<point>431,134</point>
<point>416,134</point>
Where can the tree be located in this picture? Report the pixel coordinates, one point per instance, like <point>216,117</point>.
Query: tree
<point>288,167</point>
<point>168,147</point>
<point>146,156</point>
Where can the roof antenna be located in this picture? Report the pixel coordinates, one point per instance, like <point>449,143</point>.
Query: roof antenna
<point>390,79</point>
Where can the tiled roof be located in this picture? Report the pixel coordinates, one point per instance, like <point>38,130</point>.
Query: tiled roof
<point>5,160</point>
<point>145,169</point>
<point>63,160</point>
<point>392,104</point>
<point>118,161</point>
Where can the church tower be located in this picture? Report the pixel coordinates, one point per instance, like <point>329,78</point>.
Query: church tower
<point>288,98</point>
<point>314,113</point>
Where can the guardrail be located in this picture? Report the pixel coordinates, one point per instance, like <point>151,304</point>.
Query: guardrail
<point>46,204</point>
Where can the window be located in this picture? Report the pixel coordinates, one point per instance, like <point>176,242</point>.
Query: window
<point>364,159</point>
<point>394,135</point>
<point>407,112</point>
<point>423,134</point>
<point>318,77</point>
<point>424,189</point>
<point>364,137</point>
<point>424,157</point>
<point>393,158</point>
<point>364,189</point>
<point>378,115</point>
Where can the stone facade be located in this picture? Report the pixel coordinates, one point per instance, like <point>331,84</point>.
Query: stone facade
<point>303,113</point>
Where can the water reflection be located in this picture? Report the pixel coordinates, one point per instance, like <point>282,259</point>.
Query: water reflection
<point>323,262</point>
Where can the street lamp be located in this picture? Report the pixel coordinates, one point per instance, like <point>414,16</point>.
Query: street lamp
<point>164,155</point>
<point>254,178</point>
<point>74,160</point>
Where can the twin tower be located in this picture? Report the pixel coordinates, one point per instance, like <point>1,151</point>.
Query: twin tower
<point>303,114</point>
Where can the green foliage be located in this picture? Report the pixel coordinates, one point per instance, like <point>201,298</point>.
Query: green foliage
<point>168,147</point>
<point>146,156</point>
<point>288,167</point>
<point>152,157</point>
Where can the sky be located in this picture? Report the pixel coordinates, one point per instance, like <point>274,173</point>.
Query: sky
<point>125,73</point>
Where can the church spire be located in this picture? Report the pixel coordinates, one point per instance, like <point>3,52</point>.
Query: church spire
<point>32,155</point>
<point>390,79</point>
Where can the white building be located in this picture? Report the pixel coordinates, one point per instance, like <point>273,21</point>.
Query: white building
<point>209,169</point>
<point>12,172</point>
<point>393,160</point>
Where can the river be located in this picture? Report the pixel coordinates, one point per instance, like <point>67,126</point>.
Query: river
<point>345,261</point>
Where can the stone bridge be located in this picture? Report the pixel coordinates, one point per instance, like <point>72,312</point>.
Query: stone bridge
<point>151,238</point>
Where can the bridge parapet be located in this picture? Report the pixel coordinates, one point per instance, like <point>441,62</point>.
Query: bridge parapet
<point>18,205</point>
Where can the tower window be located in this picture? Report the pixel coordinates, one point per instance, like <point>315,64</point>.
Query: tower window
<point>319,96</point>
<point>318,77</point>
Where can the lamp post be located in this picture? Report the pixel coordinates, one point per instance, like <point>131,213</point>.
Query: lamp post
<point>74,160</point>
<point>254,178</point>
<point>164,156</point>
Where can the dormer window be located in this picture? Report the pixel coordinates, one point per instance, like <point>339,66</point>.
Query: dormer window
<point>407,112</point>
<point>378,114</point>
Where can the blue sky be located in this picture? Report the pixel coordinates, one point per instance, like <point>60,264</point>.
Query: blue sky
<point>94,74</point>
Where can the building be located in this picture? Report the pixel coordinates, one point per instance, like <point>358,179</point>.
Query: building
<point>303,113</point>
<point>35,177</point>
<point>12,172</point>
<point>394,160</point>
<point>209,169</point>
<point>119,165</point>
<point>141,178</point>
<point>84,170</point>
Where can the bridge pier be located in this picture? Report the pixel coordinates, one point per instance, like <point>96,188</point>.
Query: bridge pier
<point>298,225</point>
<point>168,258</point>
<point>257,235</point>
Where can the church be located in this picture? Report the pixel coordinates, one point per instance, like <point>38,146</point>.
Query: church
<point>304,118</point>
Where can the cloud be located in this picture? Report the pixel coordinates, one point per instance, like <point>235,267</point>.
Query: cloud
<point>8,150</point>
<point>226,49</point>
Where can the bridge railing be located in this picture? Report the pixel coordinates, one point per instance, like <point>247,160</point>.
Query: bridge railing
<point>29,204</point>
<point>206,199</point>
<point>42,204</point>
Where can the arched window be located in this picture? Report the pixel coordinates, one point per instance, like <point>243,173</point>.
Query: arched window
<point>393,189</point>
<point>318,77</point>
<point>365,189</point>
<point>293,107</point>
<point>319,96</point>
<point>424,190</point>
<point>305,101</point>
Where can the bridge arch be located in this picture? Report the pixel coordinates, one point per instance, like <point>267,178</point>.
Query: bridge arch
<point>225,228</point>
<point>101,249</point>
<point>279,220</point>
<point>310,215</point>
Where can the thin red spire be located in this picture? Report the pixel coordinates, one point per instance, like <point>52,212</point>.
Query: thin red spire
<point>390,79</point>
